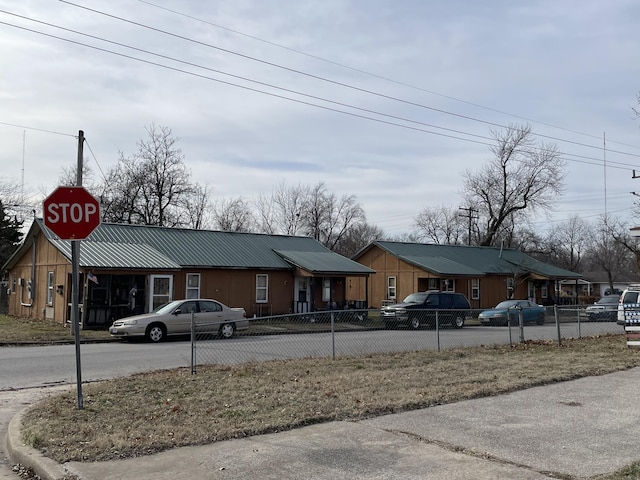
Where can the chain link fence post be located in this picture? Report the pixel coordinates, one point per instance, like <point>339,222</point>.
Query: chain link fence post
<point>555,313</point>
<point>193,343</point>
<point>438,329</point>
<point>333,336</point>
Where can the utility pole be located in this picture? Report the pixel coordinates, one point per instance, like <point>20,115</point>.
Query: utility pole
<point>470,215</point>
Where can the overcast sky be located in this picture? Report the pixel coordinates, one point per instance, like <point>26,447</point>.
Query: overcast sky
<point>388,100</point>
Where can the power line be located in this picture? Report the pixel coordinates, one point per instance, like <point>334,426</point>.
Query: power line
<point>316,77</point>
<point>374,75</point>
<point>95,159</point>
<point>593,161</point>
<point>38,129</point>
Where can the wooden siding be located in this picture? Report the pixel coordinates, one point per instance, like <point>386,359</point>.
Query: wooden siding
<point>409,279</point>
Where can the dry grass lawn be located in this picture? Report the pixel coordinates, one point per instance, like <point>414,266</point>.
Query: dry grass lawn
<point>156,411</point>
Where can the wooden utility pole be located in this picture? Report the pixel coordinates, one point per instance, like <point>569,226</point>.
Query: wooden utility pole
<point>470,215</point>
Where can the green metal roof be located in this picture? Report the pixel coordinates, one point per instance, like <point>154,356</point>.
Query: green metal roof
<point>324,262</point>
<point>470,260</point>
<point>114,245</point>
<point>117,255</point>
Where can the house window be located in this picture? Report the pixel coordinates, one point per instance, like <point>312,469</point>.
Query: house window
<point>326,290</point>
<point>448,285</point>
<point>262,288</point>
<point>49,288</point>
<point>509,287</point>
<point>543,291</point>
<point>532,290</point>
<point>14,280</point>
<point>433,284</point>
<point>193,285</point>
<point>475,289</point>
<point>391,288</point>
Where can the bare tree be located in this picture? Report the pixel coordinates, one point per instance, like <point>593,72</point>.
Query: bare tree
<point>612,249</point>
<point>328,218</point>
<point>233,215</point>
<point>197,206</point>
<point>311,211</point>
<point>153,186</point>
<point>569,241</point>
<point>281,212</point>
<point>520,178</point>
<point>441,225</point>
<point>358,237</point>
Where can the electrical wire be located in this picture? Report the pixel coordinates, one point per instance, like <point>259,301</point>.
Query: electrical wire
<point>95,159</point>
<point>593,161</point>
<point>316,77</point>
<point>38,129</point>
<point>374,75</point>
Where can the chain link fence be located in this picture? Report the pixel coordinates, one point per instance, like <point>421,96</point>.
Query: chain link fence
<point>331,334</point>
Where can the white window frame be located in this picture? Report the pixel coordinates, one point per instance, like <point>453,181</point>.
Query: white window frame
<point>544,291</point>
<point>50,287</point>
<point>153,295</point>
<point>192,291</point>
<point>262,291</point>
<point>326,289</point>
<point>475,289</point>
<point>391,288</point>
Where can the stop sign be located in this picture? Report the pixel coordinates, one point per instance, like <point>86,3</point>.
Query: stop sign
<point>72,213</point>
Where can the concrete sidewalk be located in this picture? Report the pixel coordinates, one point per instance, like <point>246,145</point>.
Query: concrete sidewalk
<point>575,429</point>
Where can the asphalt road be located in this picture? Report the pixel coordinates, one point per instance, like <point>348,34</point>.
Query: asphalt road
<point>27,374</point>
<point>25,367</point>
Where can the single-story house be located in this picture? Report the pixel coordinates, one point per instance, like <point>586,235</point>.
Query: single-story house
<point>129,269</point>
<point>486,275</point>
<point>596,284</point>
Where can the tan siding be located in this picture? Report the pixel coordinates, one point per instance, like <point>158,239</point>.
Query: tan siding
<point>409,279</point>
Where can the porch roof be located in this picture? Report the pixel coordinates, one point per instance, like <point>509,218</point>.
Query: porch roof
<point>324,263</point>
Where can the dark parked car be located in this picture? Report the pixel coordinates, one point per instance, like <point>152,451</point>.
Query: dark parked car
<point>531,312</point>
<point>422,308</point>
<point>604,310</point>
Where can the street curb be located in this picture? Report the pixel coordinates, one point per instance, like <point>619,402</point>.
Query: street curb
<point>29,457</point>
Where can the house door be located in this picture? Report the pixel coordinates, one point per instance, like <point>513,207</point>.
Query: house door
<point>302,295</point>
<point>161,290</point>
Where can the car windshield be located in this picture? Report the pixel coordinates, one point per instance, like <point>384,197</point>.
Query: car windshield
<point>415,298</point>
<point>166,308</point>
<point>610,300</point>
<point>507,304</point>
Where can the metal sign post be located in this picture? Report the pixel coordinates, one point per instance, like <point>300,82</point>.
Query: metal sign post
<point>72,213</point>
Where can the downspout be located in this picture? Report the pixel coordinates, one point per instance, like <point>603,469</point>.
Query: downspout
<point>33,277</point>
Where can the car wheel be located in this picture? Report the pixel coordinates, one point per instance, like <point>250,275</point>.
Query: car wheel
<point>414,323</point>
<point>155,332</point>
<point>227,330</point>
<point>540,319</point>
<point>458,321</point>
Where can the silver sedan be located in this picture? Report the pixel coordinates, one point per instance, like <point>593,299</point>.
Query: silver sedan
<point>174,318</point>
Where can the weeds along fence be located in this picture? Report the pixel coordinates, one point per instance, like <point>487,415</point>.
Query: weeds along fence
<point>331,334</point>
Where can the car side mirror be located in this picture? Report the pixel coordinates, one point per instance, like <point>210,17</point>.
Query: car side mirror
<point>177,311</point>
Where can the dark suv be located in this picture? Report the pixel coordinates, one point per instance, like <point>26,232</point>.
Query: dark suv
<point>421,308</point>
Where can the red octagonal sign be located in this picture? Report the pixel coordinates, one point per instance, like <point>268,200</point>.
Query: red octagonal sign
<point>72,213</point>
